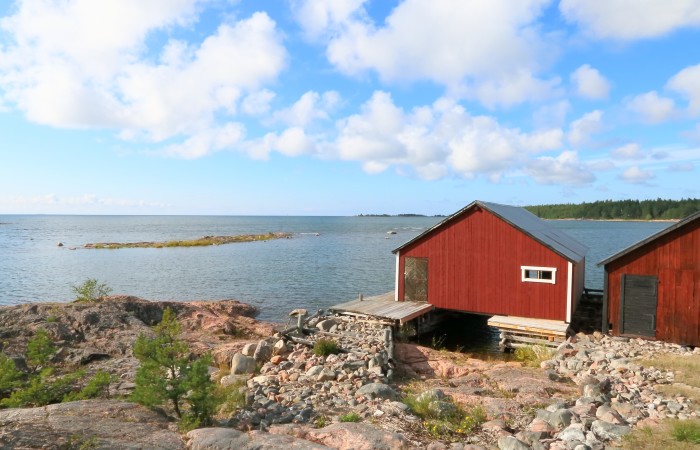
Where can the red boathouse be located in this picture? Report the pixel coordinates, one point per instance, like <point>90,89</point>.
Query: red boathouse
<point>652,288</point>
<point>493,259</point>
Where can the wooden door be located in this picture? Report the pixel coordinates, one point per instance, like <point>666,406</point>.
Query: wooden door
<point>638,300</point>
<point>416,279</point>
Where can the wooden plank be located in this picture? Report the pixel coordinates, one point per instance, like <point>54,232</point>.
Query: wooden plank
<point>527,324</point>
<point>531,340</point>
<point>384,306</point>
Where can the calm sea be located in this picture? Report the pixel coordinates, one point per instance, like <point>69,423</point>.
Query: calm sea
<point>329,259</point>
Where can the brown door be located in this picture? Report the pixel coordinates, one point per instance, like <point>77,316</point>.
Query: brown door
<point>416,279</point>
<point>638,299</point>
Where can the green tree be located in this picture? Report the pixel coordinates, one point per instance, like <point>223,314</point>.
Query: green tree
<point>40,348</point>
<point>167,375</point>
<point>10,376</point>
<point>91,291</point>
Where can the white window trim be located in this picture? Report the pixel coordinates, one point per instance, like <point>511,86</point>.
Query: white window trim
<point>524,269</point>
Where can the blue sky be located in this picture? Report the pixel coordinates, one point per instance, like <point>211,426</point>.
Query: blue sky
<point>341,107</point>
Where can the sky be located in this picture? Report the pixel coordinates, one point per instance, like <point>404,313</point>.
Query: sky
<point>343,107</point>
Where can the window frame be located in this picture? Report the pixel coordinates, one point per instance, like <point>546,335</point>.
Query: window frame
<point>525,269</point>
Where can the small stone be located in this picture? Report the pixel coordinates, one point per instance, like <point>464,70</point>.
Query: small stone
<point>314,371</point>
<point>379,390</point>
<point>572,433</point>
<point>511,443</point>
<point>494,425</point>
<point>326,375</point>
<point>326,325</point>
<point>442,408</point>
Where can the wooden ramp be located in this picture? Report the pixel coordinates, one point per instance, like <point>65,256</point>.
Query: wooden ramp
<point>384,307</point>
<point>522,331</point>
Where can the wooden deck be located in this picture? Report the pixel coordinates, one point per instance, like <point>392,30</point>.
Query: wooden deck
<point>384,307</point>
<point>522,331</point>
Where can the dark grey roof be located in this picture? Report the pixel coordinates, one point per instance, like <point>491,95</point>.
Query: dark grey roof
<point>653,237</point>
<point>522,219</point>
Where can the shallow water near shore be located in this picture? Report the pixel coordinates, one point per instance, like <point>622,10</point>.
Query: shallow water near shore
<point>327,261</point>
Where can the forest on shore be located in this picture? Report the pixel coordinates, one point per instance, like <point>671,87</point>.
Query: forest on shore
<point>658,209</point>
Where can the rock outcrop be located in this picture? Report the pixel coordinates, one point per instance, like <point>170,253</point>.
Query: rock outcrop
<point>94,424</point>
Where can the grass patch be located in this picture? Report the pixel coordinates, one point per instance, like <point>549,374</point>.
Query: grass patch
<point>325,347</point>
<point>232,397</point>
<point>447,423</point>
<point>669,435</point>
<point>350,417</point>
<point>533,355</point>
<point>686,370</point>
<point>321,421</point>
<point>686,431</point>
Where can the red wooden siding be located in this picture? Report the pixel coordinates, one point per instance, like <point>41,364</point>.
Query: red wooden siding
<point>675,259</point>
<point>474,266</point>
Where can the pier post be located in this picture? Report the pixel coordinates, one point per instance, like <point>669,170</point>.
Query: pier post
<point>300,323</point>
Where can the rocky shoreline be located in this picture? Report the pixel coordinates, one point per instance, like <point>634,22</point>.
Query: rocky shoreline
<point>593,391</point>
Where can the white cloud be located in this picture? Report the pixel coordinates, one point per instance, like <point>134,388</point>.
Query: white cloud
<point>258,102</point>
<point>564,169</point>
<point>311,106</point>
<point>630,151</point>
<point>513,88</point>
<point>687,83</point>
<point>318,17</point>
<point>99,37</point>
<point>631,19</point>
<point>435,140</point>
<point>651,107</point>
<point>291,142</point>
<point>444,41</point>
<point>636,175</point>
<point>80,64</point>
<point>167,101</point>
<point>589,83</point>
<point>581,129</point>
<point>207,141</point>
<point>551,115</point>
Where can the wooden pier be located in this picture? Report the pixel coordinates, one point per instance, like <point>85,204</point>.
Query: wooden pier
<point>384,308</point>
<point>522,331</point>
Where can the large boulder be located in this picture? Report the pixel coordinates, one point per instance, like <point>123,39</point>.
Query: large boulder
<point>99,424</point>
<point>263,352</point>
<point>242,364</point>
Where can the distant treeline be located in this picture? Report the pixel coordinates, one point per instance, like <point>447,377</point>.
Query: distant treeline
<point>658,209</point>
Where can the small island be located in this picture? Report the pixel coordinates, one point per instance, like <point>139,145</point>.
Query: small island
<point>201,242</point>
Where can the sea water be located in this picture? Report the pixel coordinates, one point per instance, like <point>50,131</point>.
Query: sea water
<point>327,260</point>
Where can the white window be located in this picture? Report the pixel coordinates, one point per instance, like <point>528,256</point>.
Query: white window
<point>534,274</point>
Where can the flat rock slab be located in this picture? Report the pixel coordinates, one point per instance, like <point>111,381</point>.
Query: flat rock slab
<point>358,436</point>
<point>230,439</point>
<point>95,424</point>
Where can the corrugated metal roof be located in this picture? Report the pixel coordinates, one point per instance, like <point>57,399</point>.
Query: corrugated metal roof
<point>522,219</point>
<point>653,237</point>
